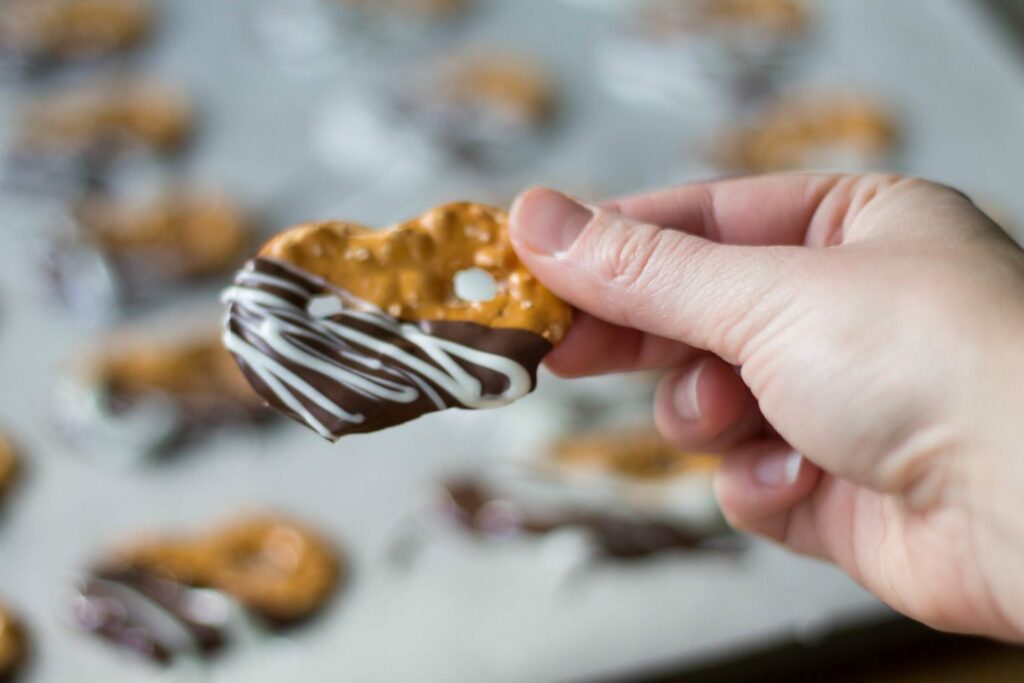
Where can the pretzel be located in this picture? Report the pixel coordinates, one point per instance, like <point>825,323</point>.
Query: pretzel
<point>9,465</point>
<point>172,596</point>
<point>181,234</point>
<point>479,507</point>
<point>193,372</point>
<point>399,341</point>
<point>13,645</point>
<point>667,17</point>
<point>106,117</point>
<point>142,396</point>
<point>65,30</point>
<point>634,453</point>
<point>425,9</point>
<point>511,88</point>
<point>797,133</point>
<point>280,569</point>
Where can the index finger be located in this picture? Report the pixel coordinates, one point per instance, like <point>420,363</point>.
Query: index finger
<point>595,347</point>
<point>781,209</point>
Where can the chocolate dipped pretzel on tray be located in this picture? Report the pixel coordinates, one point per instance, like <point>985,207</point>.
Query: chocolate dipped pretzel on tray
<point>838,131</point>
<point>117,112</point>
<point>704,50</point>
<point>483,108</point>
<point>670,17</point>
<point>181,233</point>
<point>39,33</point>
<point>148,394</point>
<point>73,134</point>
<point>421,9</point>
<point>637,471</point>
<point>349,330</point>
<point>122,252</point>
<point>484,509</point>
<point>10,466</point>
<point>13,645</point>
<point>634,453</point>
<point>628,491</point>
<point>174,597</point>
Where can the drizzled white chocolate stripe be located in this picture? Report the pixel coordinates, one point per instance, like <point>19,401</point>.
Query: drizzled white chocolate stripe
<point>304,359</point>
<point>169,621</point>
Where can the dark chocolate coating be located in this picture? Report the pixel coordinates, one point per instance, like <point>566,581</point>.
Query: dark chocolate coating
<point>524,347</point>
<point>616,536</point>
<point>146,613</point>
<point>15,648</point>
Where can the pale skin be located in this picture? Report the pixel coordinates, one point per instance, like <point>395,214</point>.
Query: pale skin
<point>876,419</point>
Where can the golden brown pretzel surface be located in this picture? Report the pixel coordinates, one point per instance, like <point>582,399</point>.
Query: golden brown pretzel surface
<point>786,136</point>
<point>283,569</point>
<point>12,642</point>
<point>509,85</point>
<point>668,17</point>
<point>636,453</point>
<point>409,269</point>
<point>427,9</point>
<point>187,233</point>
<point>276,566</point>
<point>124,111</point>
<point>9,464</point>
<point>69,29</point>
<point>197,368</point>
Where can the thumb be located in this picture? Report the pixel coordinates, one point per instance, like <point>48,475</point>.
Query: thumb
<point>658,280</point>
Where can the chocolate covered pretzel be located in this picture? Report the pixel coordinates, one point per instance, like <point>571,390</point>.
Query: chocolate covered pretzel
<point>124,251</point>
<point>9,466</point>
<point>630,492</point>
<point>637,453</point>
<point>505,87</point>
<point>484,108</point>
<point>39,33</point>
<point>392,340</point>
<point>669,17</point>
<point>78,131</point>
<point>13,645</point>
<point>805,132</point>
<point>705,52</point>
<point>152,394</point>
<point>484,509</point>
<point>173,596</point>
<point>180,234</point>
<point>417,9</point>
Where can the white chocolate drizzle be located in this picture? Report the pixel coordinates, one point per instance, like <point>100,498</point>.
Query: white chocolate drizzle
<point>302,358</point>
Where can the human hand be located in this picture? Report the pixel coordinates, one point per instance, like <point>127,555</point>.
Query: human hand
<point>878,326</point>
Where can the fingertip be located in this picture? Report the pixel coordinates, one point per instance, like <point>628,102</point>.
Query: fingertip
<point>524,199</point>
<point>546,222</point>
<point>523,206</point>
<point>593,346</point>
<point>757,486</point>
<point>705,405</point>
<point>578,349</point>
<point>563,362</point>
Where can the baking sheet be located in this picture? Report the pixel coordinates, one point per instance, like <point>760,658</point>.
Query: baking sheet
<point>462,612</point>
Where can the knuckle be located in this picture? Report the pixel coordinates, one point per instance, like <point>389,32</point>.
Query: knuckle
<point>739,324</point>
<point>884,179</point>
<point>628,259</point>
<point>913,184</point>
<point>634,259</point>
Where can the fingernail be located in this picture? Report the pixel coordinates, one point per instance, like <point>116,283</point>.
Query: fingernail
<point>778,469</point>
<point>548,222</point>
<point>686,403</point>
